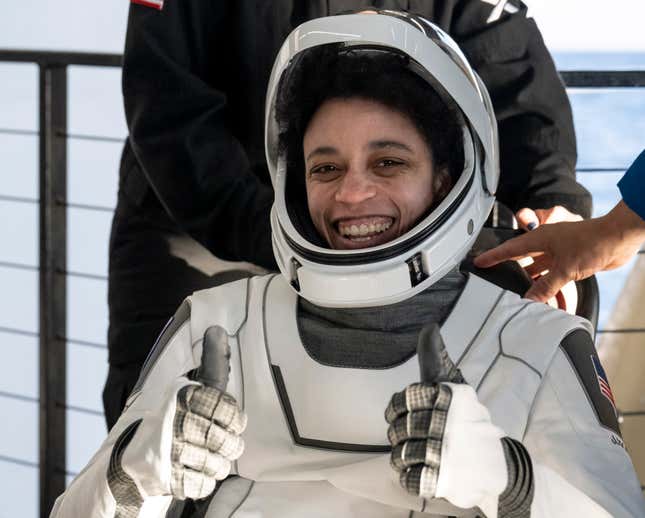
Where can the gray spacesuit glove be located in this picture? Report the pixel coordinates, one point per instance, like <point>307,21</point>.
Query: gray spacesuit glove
<point>207,425</point>
<point>444,444</point>
<point>186,439</point>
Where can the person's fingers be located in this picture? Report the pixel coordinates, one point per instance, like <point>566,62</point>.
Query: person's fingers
<point>188,483</point>
<point>202,459</point>
<point>540,266</point>
<point>527,218</point>
<point>556,214</point>
<point>212,405</point>
<point>408,454</point>
<point>546,216</point>
<point>546,286</point>
<point>526,245</point>
<point>418,396</point>
<point>227,444</point>
<point>414,425</point>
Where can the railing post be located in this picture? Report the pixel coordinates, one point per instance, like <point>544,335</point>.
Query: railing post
<point>53,292</point>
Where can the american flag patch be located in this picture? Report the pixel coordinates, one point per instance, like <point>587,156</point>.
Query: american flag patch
<point>155,4</point>
<point>603,384</point>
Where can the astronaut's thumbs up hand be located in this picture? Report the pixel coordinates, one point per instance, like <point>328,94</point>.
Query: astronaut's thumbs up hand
<point>434,363</point>
<point>208,424</point>
<point>443,442</point>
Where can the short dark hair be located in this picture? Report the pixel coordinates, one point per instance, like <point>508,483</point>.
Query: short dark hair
<point>327,72</point>
<point>337,72</point>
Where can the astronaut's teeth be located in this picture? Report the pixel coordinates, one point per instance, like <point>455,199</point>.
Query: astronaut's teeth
<point>363,229</point>
<point>382,227</point>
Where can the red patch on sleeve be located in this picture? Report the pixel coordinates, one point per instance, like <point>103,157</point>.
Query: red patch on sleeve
<point>155,4</point>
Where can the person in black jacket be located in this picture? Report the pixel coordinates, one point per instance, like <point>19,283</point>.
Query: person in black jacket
<point>194,182</point>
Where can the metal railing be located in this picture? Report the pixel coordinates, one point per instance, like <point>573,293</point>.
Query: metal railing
<point>52,135</point>
<point>53,258</point>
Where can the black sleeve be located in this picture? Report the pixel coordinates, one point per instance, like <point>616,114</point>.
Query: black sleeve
<point>174,80</point>
<point>537,140</point>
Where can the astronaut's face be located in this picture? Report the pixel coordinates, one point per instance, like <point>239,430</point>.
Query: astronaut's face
<point>369,173</point>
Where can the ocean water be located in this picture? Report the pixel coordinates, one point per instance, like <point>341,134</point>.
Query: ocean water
<point>610,127</point>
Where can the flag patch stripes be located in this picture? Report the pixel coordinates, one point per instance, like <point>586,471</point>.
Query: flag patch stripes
<point>603,383</point>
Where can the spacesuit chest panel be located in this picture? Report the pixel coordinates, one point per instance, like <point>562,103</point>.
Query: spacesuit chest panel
<point>306,418</point>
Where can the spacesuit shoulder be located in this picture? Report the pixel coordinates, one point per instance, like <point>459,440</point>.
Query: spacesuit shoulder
<point>225,306</point>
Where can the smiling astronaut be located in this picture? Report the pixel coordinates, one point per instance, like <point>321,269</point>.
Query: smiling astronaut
<point>266,397</point>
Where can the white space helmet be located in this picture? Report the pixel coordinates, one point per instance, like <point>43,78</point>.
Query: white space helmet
<point>396,270</point>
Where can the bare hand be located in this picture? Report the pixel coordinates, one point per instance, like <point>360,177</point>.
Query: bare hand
<point>571,251</point>
<point>528,219</point>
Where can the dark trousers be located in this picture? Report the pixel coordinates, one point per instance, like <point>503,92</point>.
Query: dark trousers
<point>153,267</point>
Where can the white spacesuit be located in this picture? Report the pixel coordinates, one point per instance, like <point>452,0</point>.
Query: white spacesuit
<point>316,443</point>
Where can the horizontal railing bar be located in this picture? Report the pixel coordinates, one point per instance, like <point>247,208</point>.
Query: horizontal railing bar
<point>98,138</point>
<point>53,58</point>
<point>19,266</point>
<point>13,460</point>
<point>14,331</point>
<point>20,397</point>
<point>69,273</point>
<point>83,410</point>
<point>67,473</point>
<point>84,206</point>
<point>85,343</point>
<point>8,131</point>
<point>601,169</point>
<point>571,78</point>
<point>71,136</point>
<point>82,275</point>
<point>18,199</point>
<point>101,208</point>
<point>603,78</point>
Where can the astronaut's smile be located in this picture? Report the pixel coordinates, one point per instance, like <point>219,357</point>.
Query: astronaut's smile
<point>359,232</point>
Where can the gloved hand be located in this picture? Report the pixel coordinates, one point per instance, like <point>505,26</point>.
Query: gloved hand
<point>208,424</point>
<point>444,444</point>
<point>186,443</point>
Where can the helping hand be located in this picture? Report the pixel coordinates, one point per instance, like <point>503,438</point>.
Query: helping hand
<point>529,219</point>
<point>565,252</point>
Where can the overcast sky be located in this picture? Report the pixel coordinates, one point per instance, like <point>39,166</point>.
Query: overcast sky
<point>598,25</point>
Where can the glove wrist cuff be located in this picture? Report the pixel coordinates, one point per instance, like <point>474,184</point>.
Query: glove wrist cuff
<point>515,501</point>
